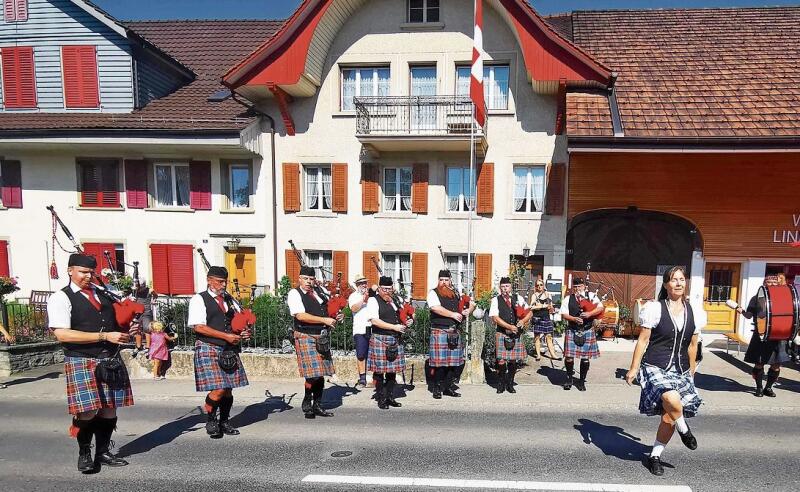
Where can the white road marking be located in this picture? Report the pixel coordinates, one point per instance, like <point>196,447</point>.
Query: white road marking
<point>492,484</point>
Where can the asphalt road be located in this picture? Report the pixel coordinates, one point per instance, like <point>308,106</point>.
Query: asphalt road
<point>164,439</point>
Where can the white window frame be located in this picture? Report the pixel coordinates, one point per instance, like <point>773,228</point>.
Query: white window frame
<point>358,70</point>
<point>174,183</point>
<point>398,205</point>
<point>316,258</point>
<point>231,202</point>
<point>424,12</point>
<point>529,205</point>
<point>462,198</point>
<point>395,275</point>
<point>488,84</point>
<point>461,274</point>
<point>307,172</point>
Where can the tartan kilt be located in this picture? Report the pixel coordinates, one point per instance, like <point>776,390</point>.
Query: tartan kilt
<point>766,351</point>
<point>310,363</point>
<point>515,354</point>
<point>376,361</point>
<point>542,326</point>
<point>590,350</point>
<point>440,355</point>
<point>85,393</point>
<point>207,373</point>
<point>656,381</point>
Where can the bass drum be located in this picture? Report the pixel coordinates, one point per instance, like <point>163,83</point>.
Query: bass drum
<point>778,312</point>
<point>638,307</point>
<point>610,317</point>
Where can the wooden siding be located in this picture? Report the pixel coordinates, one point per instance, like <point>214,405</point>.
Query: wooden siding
<point>55,23</point>
<point>155,79</point>
<point>736,201</point>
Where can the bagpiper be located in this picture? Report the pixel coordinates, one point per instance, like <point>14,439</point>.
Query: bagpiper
<point>509,346</point>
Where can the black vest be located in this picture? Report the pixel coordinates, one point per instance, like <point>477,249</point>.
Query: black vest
<point>575,310</point>
<point>543,313</point>
<point>507,313</point>
<point>85,317</point>
<point>668,346</point>
<point>387,314</point>
<point>443,322</point>
<point>312,307</point>
<point>216,319</point>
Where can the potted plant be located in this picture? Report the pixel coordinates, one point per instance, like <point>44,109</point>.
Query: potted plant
<point>625,320</point>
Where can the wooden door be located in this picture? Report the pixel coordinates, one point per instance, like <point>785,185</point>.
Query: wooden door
<point>241,266</point>
<point>721,284</point>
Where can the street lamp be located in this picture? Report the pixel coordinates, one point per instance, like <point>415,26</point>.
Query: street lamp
<point>526,251</point>
<point>232,244</point>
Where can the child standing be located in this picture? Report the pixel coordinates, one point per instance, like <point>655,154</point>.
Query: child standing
<point>157,345</point>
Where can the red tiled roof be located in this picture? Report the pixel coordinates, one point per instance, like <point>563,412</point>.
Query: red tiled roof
<point>588,114</point>
<point>561,23</point>
<point>695,72</point>
<point>208,48</point>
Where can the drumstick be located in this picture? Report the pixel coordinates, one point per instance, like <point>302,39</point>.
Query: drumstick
<point>732,304</point>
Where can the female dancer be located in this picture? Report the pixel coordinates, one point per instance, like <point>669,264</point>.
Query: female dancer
<point>541,303</point>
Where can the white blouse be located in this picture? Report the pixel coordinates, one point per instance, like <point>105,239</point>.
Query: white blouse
<point>650,316</point>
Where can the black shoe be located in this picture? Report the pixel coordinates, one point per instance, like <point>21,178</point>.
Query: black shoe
<point>393,403</point>
<point>213,430</point>
<point>109,459</point>
<point>568,385</point>
<point>383,404</point>
<point>450,392</point>
<point>655,466</point>
<point>437,393</point>
<point>306,407</point>
<point>228,429</point>
<point>501,387</point>
<point>759,393</point>
<point>85,462</point>
<point>688,440</point>
<point>319,411</point>
<point>768,392</point>
<point>510,387</point>
<point>580,384</point>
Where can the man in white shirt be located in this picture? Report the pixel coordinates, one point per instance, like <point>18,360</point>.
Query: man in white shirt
<point>509,346</point>
<point>580,309</point>
<point>358,304</point>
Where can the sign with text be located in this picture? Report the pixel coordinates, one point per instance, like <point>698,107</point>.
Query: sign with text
<point>789,236</point>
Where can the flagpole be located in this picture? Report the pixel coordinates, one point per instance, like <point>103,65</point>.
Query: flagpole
<point>474,196</point>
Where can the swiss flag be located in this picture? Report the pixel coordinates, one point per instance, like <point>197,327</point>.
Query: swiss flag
<point>476,78</point>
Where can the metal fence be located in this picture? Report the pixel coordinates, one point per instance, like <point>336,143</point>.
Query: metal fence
<point>27,323</point>
<point>415,115</point>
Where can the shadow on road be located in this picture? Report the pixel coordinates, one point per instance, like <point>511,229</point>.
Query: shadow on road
<point>49,375</point>
<point>557,377</point>
<point>262,410</point>
<point>335,394</point>
<point>783,383</point>
<point>164,434</point>
<point>613,441</point>
<point>712,382</point>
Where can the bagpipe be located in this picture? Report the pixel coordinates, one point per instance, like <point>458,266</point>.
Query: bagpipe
<point>586,304</point>
<point>405,310</point>
<point>243,319</point>
<point>339,295</point>
<point>126,311</point>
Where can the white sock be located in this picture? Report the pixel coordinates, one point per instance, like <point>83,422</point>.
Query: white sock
<point>658,448</point>
<point>680,425</point>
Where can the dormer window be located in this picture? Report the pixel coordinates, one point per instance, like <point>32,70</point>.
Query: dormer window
<point>15,10</point>
<point>423,11</point>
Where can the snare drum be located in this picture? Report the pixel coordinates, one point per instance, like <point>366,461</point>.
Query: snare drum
<point>778,312</point>
<point>638,307</point>
<point>610,317</point>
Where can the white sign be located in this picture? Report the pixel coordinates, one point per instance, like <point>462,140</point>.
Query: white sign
<point>784,236</point>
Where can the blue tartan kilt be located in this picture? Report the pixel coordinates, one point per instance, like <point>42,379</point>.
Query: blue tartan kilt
<point>440,355</point>
<point>310,363</point>
<point>656,381</point>
<point>589,350</point>
<point>376,361</point>
<point>542,326</point>
<point>85,393</point>
<point>207,373</point>
<point>515,354</point>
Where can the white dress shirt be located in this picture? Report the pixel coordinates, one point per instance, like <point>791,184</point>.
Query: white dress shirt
<point>295,302</point>
<point>197,309</point>
<point>565,303</point>
<point>650,316</point>
<point>59,307</point>
<point>494,309</point>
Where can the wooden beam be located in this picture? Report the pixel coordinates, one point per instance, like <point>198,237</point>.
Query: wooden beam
<point>283,100</point>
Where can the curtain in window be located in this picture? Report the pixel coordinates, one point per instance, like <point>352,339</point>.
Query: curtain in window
<point>497,87</point>
<point>164,186</point>
<point>326,188</point>
<point>462,81</point>
<point>405,266</point>
<point>423,83</point>
<point>348,89</point>
<point>405,187</point>
<point>366,86</point>
<point>311,187</point>
<point>390,188</point>
<point>454,188</point>
<point>469,189</point>
<point>182,185</point>
<point>327,265</point>
<point>389,268</point>
<point>537,187</point>
<point>384,85</point>
<point>520,188</point>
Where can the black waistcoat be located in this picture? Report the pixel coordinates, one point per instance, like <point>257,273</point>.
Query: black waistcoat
<point>668,346</point>
<point>575,310</point>
<point>505,312</point>
<point>543,313</point>
<point>387,314</point>
<point>216,319</point>
<point>84,317</point>
<point>443,322</point>
<point>312,307</point>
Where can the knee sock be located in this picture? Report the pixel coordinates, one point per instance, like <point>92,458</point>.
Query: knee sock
<point>680,425</point>
<point>85,431</point>
<point>211,407</point>
<point>501,372</point>
<point>377,378</point>
<point>584,368</point>
<point>225,405</point>
<point>452,376</point>
<point>570,366</point>
<point>512,371</point>
<point>758,374</point>
<point>658,448</point>
<point>103,430</point>
<point>317,388</point>
<point>772,376</point>
<point>439,374</point>
<point>391,381</point>
<point>309,385</point>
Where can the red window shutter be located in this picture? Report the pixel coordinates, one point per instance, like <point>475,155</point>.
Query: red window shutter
<point>200,185</point>
<point>11,179</point>
<point>181,269</point>
<point>19,80</point>
<point>97,250</point>
<point>370,202</point>
<point>5,269</point>
<point>22,10</point>
<point>159,265</point>
<point>136,183</point>
<point>81,86</point>
<point>483,273</point>
<point>485,190</point>
<point>292,266</point>
<point>554,202</point>
<point>291,187</point>
<point>419,189</point>
<point>339,180</point>
<point>369,266</point>
<point>341,265</point>
<point>419,275</point>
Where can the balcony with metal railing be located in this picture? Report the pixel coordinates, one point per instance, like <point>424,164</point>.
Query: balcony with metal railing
<point>414,123</point>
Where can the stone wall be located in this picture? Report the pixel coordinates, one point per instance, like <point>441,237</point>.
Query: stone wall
<point>18,358</point>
